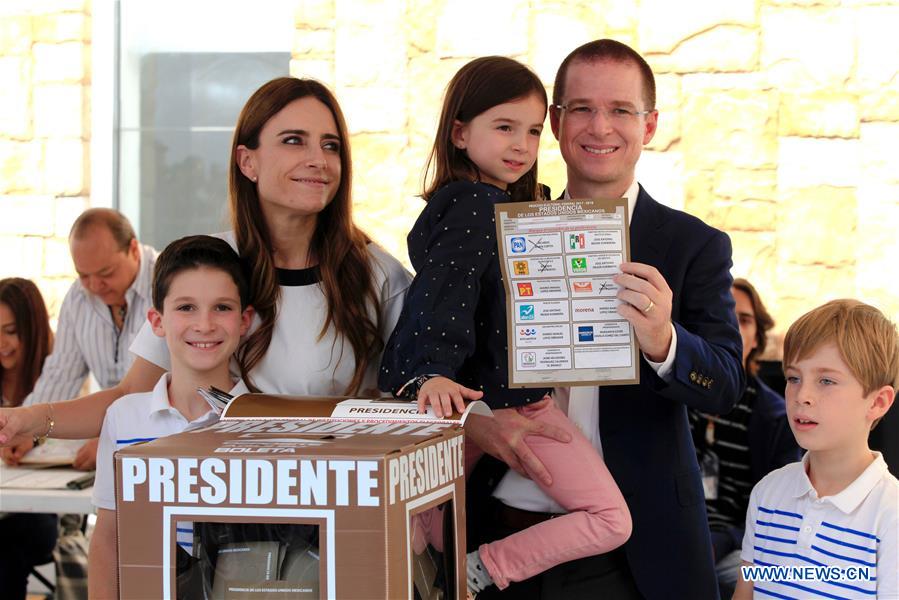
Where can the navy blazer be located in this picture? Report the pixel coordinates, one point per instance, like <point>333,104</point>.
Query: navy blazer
<point>644,429</point>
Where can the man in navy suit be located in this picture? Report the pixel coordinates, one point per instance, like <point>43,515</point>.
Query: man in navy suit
<point>676,294</point>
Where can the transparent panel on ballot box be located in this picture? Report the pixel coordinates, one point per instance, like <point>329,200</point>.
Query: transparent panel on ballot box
<point>433,552</point>
<point>232,561</point>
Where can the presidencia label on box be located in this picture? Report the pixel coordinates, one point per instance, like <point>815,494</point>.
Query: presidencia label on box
<point>558,261</point>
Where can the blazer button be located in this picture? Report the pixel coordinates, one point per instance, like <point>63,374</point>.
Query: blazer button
<point>693,376</point>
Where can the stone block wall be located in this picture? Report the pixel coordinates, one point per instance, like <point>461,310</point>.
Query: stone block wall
<point>776,118</point>
<point>776,121</point>
<point>44,138</point>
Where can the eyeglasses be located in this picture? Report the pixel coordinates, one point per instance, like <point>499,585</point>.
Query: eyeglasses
<point>583,113</point>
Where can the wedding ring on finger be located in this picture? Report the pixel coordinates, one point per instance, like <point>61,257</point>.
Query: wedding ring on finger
<point>650,307</point>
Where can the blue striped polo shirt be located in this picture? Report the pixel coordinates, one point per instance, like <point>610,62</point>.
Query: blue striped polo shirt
<point>787,524</point>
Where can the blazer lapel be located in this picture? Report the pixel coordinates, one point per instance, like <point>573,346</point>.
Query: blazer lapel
<point>649,240</point>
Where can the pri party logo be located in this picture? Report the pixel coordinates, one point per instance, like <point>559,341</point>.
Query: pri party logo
<point>525,289</point>
<point>576,241</point>
<point>520,267</point>
<point>526,312</point>
<point>518,245</point>
<point>579,264</point>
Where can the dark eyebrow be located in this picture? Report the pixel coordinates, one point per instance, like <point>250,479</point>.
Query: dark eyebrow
<point>746,314</point>
<point>304,133</point>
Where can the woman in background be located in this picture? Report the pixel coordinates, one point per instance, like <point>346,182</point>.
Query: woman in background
<point>25,341</point>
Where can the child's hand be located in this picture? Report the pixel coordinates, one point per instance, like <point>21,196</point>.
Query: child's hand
<point>445,394</point>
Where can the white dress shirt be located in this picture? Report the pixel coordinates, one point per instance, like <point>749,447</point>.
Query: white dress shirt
<point>581,404</point>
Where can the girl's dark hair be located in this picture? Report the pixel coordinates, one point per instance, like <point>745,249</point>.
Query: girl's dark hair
<point>29,312</point>
<point>339,246</point>
<point>477,87</point>
<point>763,323</point>
<point>193,252</point>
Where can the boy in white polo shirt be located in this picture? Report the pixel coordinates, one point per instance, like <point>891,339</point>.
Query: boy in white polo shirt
<point>832,518</point>
<point>201,308</point>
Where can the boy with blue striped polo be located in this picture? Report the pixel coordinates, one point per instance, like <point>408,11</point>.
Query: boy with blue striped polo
<point>201,308</point>
<point>827,526</point>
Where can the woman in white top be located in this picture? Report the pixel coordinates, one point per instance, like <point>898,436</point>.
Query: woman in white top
<point>326,298</point>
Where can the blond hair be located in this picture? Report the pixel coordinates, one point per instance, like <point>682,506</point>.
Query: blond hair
<point>867,341</point>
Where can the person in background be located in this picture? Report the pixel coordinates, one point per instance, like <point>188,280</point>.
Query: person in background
<point>25,342</point>
<point>839,506</point>
<point>99,318</point>
<point>737,449</point>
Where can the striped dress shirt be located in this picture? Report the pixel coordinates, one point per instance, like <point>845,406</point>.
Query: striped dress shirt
<point>87,340</point>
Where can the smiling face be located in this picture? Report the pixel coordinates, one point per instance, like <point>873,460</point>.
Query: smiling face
<point>826,405</point>
<point>104,269</point>
<point>201,321</point>
<point>601,153</point>
<point>9,339</point>
<point>296,166</point>
<point>503,140</point>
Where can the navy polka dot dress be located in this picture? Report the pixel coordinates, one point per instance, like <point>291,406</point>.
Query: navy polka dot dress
<point>454,318</point>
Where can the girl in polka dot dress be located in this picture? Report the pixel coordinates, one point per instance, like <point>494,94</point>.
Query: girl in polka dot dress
<point>450,342</point>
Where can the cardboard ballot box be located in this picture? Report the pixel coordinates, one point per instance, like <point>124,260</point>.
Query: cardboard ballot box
<point>278,501</point>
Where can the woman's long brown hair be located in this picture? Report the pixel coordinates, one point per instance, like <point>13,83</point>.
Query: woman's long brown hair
<point>339,246</point>
<point>477,87</point>
<point>29,312</point>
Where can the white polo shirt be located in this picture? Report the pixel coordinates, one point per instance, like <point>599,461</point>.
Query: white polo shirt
<point>143,418</point>
<point>788,524</point>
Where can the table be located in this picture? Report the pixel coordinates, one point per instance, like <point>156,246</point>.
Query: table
<point>47,501</point>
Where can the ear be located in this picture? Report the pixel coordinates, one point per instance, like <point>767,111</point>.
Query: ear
<point>246,318</point>
<point>649,128</point>
<point>155,319</point>
<point>880,402</point>
<point>459,135</point>
<point>554,118</point>
<point>246,162</point>
<point>134,250</point>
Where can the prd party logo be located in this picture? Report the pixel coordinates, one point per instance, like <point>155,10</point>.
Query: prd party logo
<point>518,245</point>
<point>579,264</point>
<point>582,287</point>
<point>526,312</point>
<point>525,289</point>
<point>520,267</point>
